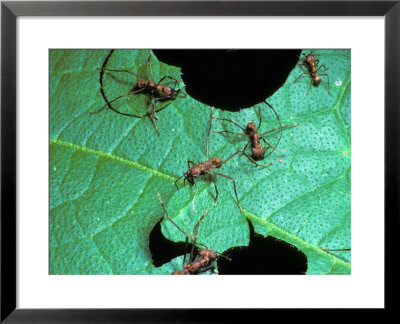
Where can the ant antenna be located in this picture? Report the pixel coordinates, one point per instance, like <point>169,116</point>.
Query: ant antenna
<point>196,230</point>
<point>176,225</point>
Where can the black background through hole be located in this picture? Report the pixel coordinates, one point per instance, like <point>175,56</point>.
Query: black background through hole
<point>231,79</point>
<point>264,255</point>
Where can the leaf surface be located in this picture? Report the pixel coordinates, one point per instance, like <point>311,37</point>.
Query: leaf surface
<point>106,169</point>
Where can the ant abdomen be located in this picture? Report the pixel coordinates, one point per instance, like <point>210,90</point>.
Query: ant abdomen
<point>258,153</point>
<point>216,162</point>
<point>316,81</point>
<point>167,90</point>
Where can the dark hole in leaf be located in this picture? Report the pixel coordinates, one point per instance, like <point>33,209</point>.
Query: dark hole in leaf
<point>264,255</point>
<point>232,79</point>
<point>163,250</point>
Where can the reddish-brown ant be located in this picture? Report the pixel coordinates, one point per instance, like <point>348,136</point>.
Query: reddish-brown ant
<point>205,256</point>
<point>258,152</point>
<point>203,168</point>
<point>156,92</point>
<point>311,63</point>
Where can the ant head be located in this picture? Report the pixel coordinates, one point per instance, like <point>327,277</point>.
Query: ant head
<point>209,254</point>
<point>316,81</point>
<point>188,176</point>
<point>310,58</point>
<point>216,162</point>
<point>142,83</point>
<point>251,126</point>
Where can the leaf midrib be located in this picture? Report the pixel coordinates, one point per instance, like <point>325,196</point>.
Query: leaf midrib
<point>251,216</point>
<point>114,157</point>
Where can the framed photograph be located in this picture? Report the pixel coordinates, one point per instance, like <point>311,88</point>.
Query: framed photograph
<point>240,142</point>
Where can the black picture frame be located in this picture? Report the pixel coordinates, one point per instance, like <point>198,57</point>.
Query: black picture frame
<point>9,13</point>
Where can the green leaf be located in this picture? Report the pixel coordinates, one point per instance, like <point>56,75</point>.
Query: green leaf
<point>106,169</point>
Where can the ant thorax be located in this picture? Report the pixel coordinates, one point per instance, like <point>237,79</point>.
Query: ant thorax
<point>310,59</point>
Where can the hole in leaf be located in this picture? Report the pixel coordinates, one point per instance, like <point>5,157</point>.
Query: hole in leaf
<point>163,250</point>
<point>264,255</point>
<point>231,79</point>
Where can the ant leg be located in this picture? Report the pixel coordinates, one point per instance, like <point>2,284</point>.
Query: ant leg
<point>152,114</point>
<point>274,147</point>
<point>210,267</point>
<point>125,71</point>
<point>223,162</point>
<point>255,163</point>
<point>101,77</point>
<point>191,163</point>
<point>176,225</point>
<point>283,127</point>
<point>169,77</point>
<point>234,185</point>
<point>113,109</point>
<point>323,66</point>
<point>245,147</point>
<point>303,66</point>
<point>259,117</point>
<point>329,91</point>
<point>280,127</point>
<point>196,231</point>
<point>216,190</point>
<point>158,110</point>
<point>151,70</point>
<point>231,121</point>
<point>224,256</point>
<point>224,131</point>
<point>153,111</point>
<point>209,130</point>
<point>180,90</point>
<point>196,228</point>
<point>194,197</point>
<point>309,88</point>
<point>153,122</point>
<point>177,181</point>
<point>153,119</point>
<point>298,77</point>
